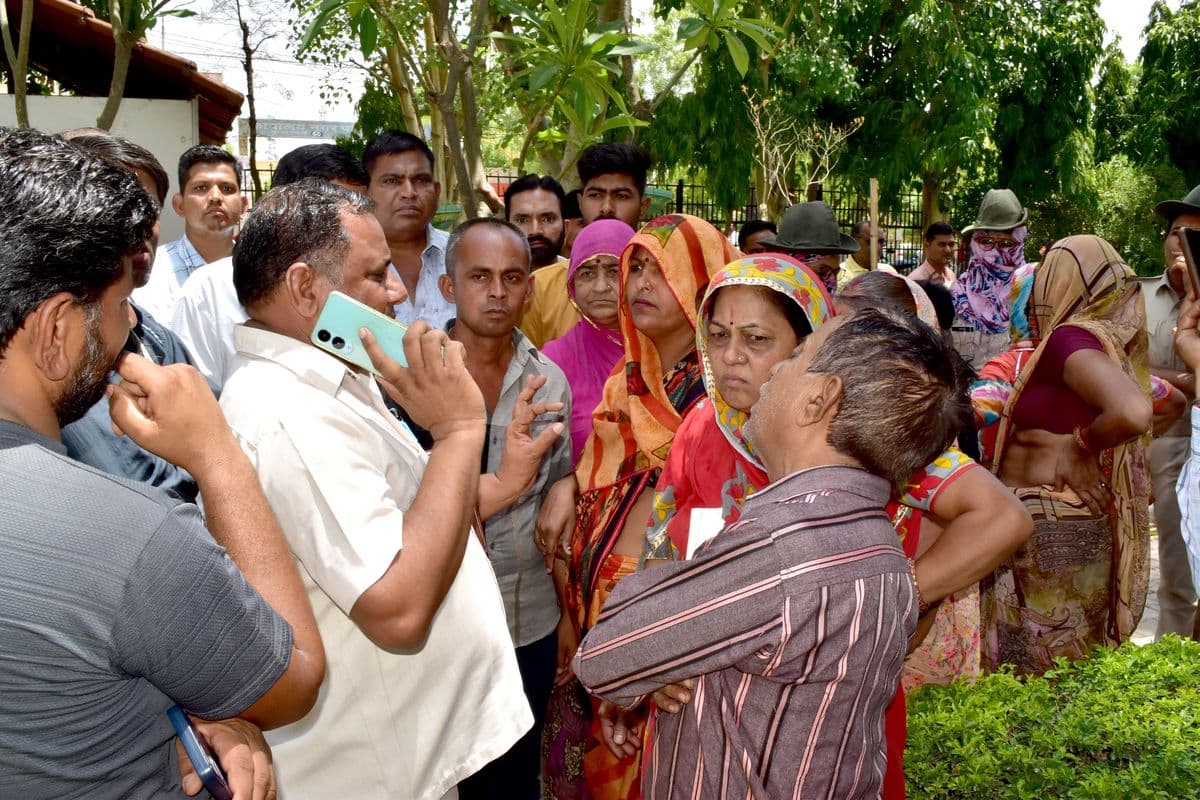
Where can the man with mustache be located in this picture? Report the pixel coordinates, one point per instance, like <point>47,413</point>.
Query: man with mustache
<point>117,601</point>
<point>534,203</point>
<point>488,280</point>
<point>400,169</point>
<point>211,203</point>
<point>208,308</point>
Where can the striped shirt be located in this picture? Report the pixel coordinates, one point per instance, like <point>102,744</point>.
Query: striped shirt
<point>794,622</point>
<point>173,263</point>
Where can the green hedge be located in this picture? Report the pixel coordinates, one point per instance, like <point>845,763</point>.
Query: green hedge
<point>1122,723</point>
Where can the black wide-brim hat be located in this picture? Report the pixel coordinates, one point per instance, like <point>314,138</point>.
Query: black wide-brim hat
<point>1170,209</point>
<point>811,228</point>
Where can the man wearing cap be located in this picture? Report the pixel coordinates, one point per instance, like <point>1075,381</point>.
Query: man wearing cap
<point>1167,453</point>
<point>859,262</point>
<point>981,303</point>
<point>809,232</point>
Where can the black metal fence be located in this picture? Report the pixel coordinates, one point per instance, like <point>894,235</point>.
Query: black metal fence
<point>901,227</point>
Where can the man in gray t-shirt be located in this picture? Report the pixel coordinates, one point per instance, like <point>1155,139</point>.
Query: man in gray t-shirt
<point>116,602</point>
<point>109,615</point>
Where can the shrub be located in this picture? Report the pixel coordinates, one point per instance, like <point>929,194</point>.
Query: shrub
<point>1122,723</point>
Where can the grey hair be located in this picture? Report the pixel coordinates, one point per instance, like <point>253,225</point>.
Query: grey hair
<point>904,392</point>
<point>299,221</point>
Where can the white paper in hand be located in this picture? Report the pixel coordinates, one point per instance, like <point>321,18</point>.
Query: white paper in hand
<point>704,524</point>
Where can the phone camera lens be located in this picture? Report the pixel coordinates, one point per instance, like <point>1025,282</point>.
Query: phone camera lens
<point>323,335</point>
<point>338,343</point>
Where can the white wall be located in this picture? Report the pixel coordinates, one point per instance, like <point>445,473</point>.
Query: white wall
<point>164,127</point>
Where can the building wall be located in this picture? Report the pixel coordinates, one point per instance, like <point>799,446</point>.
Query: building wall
<point>164,127</point>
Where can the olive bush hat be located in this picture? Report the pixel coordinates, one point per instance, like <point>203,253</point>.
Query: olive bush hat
<point>1170,209</point>
<point>811,228</point>
<point>999,211</point>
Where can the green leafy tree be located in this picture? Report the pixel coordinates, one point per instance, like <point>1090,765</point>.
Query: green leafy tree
<point>1113,117</point>
<point>566,69</point>
<point>131,20</point>
<point>1168,93</point>
<point>1049,55</point>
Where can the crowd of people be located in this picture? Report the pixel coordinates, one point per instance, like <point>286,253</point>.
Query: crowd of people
<point>636,512</point>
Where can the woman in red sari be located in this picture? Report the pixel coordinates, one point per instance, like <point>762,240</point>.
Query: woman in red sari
<point>664,269</point>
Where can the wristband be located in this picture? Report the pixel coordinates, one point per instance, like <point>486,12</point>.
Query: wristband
<point>922,606</point>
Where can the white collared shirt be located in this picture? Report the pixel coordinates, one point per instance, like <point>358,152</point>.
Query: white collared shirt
<point>173,263</point>
<point>427,302</point>
<point>340,472</point>
<point>204,316</point>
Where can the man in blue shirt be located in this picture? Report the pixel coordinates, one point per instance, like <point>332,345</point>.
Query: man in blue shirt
<point>90,439</point>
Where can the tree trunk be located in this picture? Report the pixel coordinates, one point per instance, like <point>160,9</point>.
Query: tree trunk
<point>931,194</point>
<point>458,64</point>
<point>124,41</point>
<point>116,90</point>
<point>401,84</point>
<point>248,66</point>
<point>472,139</point>
<point>436,80</point>
<point>18,58</point>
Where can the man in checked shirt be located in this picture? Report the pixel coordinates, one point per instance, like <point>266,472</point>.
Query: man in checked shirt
<point>794,621</point>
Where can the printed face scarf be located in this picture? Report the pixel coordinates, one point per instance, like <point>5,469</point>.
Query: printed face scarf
<point>981,296</point>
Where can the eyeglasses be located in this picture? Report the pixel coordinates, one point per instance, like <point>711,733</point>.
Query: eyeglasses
<point>988,242</point>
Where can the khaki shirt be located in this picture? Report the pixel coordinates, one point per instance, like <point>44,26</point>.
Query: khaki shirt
<point>1162,313</point>
<point>850,270</point>
<point>550,313</point>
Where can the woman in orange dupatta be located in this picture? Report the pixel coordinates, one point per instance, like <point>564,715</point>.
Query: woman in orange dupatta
<point>665,269</point>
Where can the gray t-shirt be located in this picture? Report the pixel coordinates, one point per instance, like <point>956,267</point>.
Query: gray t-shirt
<point>115,604</point>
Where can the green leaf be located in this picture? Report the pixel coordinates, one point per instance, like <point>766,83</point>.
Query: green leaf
<point>325,10</point>
<point>737,52</point>
<point>368,33</point>
<point>756,33</point>
<point>541,75</point>
<point>633,48</point>
<point>689,28</point>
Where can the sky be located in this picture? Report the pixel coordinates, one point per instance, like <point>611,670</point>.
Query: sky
<point>287,89</point>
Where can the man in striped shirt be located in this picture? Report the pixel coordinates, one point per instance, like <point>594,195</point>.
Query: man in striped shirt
<point>795,620</point>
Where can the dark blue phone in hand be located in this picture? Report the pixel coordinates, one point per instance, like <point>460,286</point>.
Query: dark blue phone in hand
<point>198,753</point>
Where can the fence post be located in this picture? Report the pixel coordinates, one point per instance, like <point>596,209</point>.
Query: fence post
<point>752,206</point>
<point>679,197</point>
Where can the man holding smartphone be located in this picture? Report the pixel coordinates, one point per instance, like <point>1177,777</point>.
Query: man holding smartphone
<point>1168,452</point>
<point>116,601</point>
<point>422,687</point>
